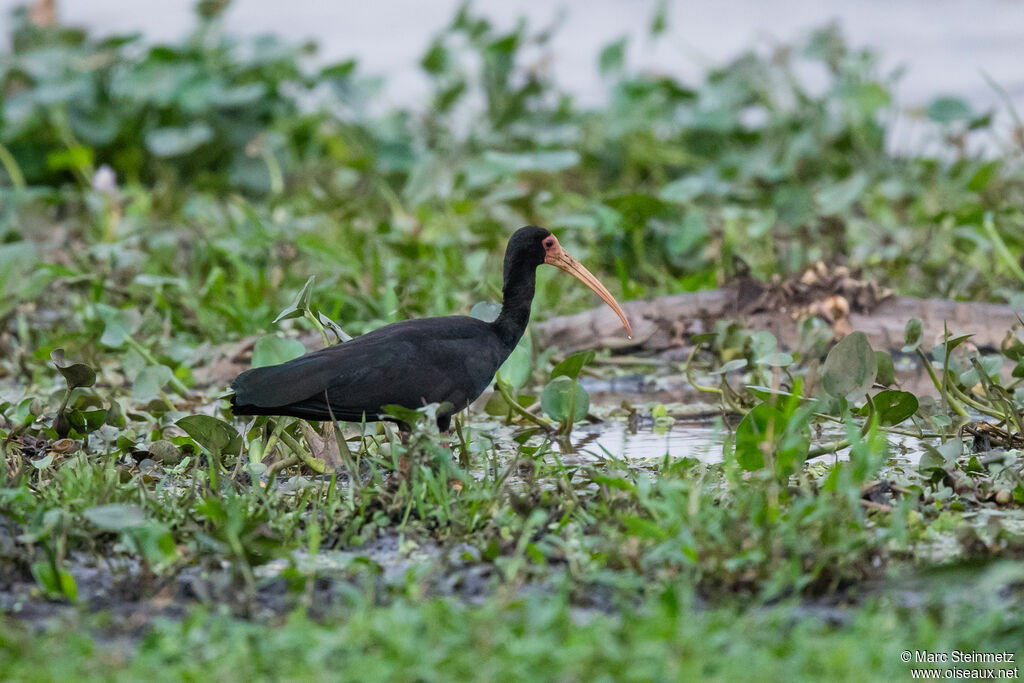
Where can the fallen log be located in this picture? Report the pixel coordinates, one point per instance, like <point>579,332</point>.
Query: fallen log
<point>668,321</point>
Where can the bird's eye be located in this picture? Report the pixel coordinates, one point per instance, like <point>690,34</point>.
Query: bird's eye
<point>548,243</point>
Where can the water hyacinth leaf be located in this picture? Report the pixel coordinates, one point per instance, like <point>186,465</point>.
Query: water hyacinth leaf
<point>43,462</point>
<point>892,407</point>
<point>731,366</point>
<point>941,457</point>
<point>850,367</point>
<point>837,198</point>
<point>762,343</point>
<point>571,366</point>
<point>496,405</point>
<point>540,161</point>
<point>427,414</point>
<point>886,371</point>
<point>912,335</point>
<point>779,359</point>
<point>272,349</point>
<point>564,400</point>
<point>516,369</point>
<point>949,109</point>
<point>487,311</point>
<point>94,419</point>
<point>988,366</point>
<point>176,141</point>
<point>76,374</point>
<point>150,382</point>
<point>612,57</point>
<point>116,516</point>
<point>212,434</point>
<point>118,324</point>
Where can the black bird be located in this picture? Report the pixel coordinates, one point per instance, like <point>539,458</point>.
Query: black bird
<point>414,362</point>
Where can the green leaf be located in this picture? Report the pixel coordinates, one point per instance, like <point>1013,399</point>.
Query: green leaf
<point>150,381</point>
<point>272,349</point>
<point>612,57</point>
<point>837,197</point>
<point>516,369</point>
<point>55,584</point>
<point>892,407</point>
<point>487,311</point>
<point>116,516</point>
<point>850,367</point>
<point>983,176</point>
<point>912,335</point>
<point>496,405</point>
<point>790,439</point>
<point>779,359</point>
<point>216,436</point>
<point>571,366</point>
<point>938,458</point>
<point>731,366</point>
<point>886,371</point>
<point>794,204</point>
<point>548,161</point>
<point>76,374</point>
<point>300,305</point>
<point>562,395</point>
<point>118,324</point>
<point>949,109</point>
<point>172,141</point>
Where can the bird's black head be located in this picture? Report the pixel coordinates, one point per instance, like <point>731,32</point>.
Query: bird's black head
<point>526,249</point>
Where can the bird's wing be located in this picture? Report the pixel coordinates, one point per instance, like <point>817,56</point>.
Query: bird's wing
<point>409,364</point>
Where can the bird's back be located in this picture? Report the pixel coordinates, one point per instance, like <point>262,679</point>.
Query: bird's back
<point>410,363</point>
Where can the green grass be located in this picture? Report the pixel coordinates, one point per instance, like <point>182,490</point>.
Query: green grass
<point>538,638</point>
<point>515,557</point>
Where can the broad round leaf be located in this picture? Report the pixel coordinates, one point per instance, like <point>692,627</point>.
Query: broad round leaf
<point>563,395</point>
<point>150,382</point>
<point>175,141</point>
<point>850,367</point>
<point>949,109</point>
<point>912,335</point>
<point>517,367</point>
<point>893,407</point>
<point>76,374</point>
<point>216,436</point>
<point>118,324</point>
<point>487,311</point>
<point>272,349</point>
<point>779,359</point>
<point>886,372</point>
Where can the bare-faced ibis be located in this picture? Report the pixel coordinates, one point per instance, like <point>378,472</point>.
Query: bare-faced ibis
<point>414,362</point>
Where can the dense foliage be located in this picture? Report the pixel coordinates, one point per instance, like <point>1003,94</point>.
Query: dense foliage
<point>158,202</point>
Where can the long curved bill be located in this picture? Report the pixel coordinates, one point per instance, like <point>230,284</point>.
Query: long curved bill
<point>559,258</point>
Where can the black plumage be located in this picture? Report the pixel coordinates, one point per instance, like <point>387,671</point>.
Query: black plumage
<point>411,363</point>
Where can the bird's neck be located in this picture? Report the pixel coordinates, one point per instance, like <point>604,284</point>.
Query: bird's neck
<point>515,308</point>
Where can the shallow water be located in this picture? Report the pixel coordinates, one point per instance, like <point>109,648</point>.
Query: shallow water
<point>702,441</point>
<point>649,443</point>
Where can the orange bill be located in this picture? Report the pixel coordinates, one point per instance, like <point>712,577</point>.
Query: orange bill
<point>559,258</point>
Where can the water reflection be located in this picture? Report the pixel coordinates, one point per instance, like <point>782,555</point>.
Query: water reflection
<point>688,440</point>
<point>702,441</point>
